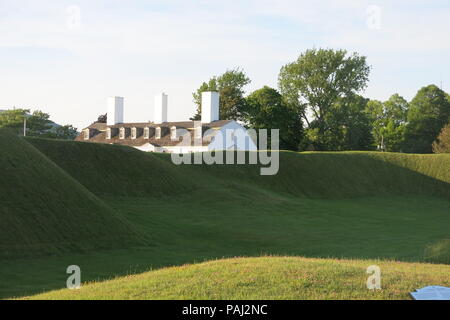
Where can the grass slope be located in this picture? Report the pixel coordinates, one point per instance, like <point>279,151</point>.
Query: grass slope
<point>122,171</point>
<point>44,210</point>
<point>357,205</point>
<point>114,170</point>
<point>342,174</point>
<point>265,278</point>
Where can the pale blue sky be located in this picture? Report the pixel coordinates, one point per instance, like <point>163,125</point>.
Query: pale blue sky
<point>137,48</point>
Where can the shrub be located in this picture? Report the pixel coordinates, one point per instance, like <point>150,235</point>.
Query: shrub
<point>442,143</point>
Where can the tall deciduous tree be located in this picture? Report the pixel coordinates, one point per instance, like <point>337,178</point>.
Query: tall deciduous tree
<point>317,80</point>
<point>266,109</point>
<point>230,85</point>
<point>429,112</point>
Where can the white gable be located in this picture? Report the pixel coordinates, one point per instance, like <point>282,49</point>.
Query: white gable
<point>233,137</point>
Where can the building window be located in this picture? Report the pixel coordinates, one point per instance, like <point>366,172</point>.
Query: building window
<point>133,133</point>
<point>158,133</point>
<point>146,133</point>
<point>122,133</point>
<point>86,134</point>
<point>173,133</point>
<point>108,133</point>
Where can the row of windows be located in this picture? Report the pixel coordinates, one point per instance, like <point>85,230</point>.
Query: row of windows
<point>146,133</point>
<point>122,133</point>
<point>134,133</point>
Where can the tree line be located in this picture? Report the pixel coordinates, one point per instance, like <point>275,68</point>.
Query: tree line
<point>318,106</point>
<point>38,124</point>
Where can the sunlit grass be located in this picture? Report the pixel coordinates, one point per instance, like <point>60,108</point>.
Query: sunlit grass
<point>266,278</point>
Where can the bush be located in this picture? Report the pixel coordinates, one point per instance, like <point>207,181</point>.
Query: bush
<point>442,143</point>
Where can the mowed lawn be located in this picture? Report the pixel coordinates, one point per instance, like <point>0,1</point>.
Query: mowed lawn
<point>266,278</point>
<point>183,231</point>
<point>115,211</point>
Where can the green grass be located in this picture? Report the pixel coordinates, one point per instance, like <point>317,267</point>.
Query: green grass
<point>45,211</point>
<point>350,228</point>
<point>357,205</point>
<point>123,171</point>
<point>266,278</point>
<point>438,252</point>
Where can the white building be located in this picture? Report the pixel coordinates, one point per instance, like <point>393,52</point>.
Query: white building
<point>162,136</point>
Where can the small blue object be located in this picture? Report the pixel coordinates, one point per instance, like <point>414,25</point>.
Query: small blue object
<point>432,293</point>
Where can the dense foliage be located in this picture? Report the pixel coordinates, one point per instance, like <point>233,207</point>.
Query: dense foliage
<point>230,85</point>
<point>429,112</point>
<point>37,124</point>
<point>388,121</point>
<point>322,85</point>
<point>319,107</point>
<point>266,109</point>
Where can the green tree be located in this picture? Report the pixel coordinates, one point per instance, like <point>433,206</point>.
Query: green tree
<point>396,108</point>
<point>348,126</point>
<point>13,119</point>
<point>38,124</point>
<point>317,80</point>
<point>230,85</point>
<point>266,109</point>
<point>354,121</point>
<point>66,132</point>
<point>429,112</point>
<point>388,121</point>
<point>442,143</point>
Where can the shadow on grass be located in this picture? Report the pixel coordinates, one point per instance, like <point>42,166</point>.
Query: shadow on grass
<point>314,207</point>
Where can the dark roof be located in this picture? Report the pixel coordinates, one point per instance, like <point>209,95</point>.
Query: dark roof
<point>178,124</point>
<point>98,132</point>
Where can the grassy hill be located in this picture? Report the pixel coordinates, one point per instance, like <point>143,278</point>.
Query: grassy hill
<point>358,205</point>
<point>45,211</point>
<point>342,174</point>
<point>116,170</point>
<point>265,278</point>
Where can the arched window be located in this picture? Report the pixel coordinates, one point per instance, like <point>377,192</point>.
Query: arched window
<point>122,133</point>
<point>158,133</point>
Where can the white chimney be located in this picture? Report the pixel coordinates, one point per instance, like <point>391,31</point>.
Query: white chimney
<point>115,110</point>
<point>210,106</point>
<point>161,108</point>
